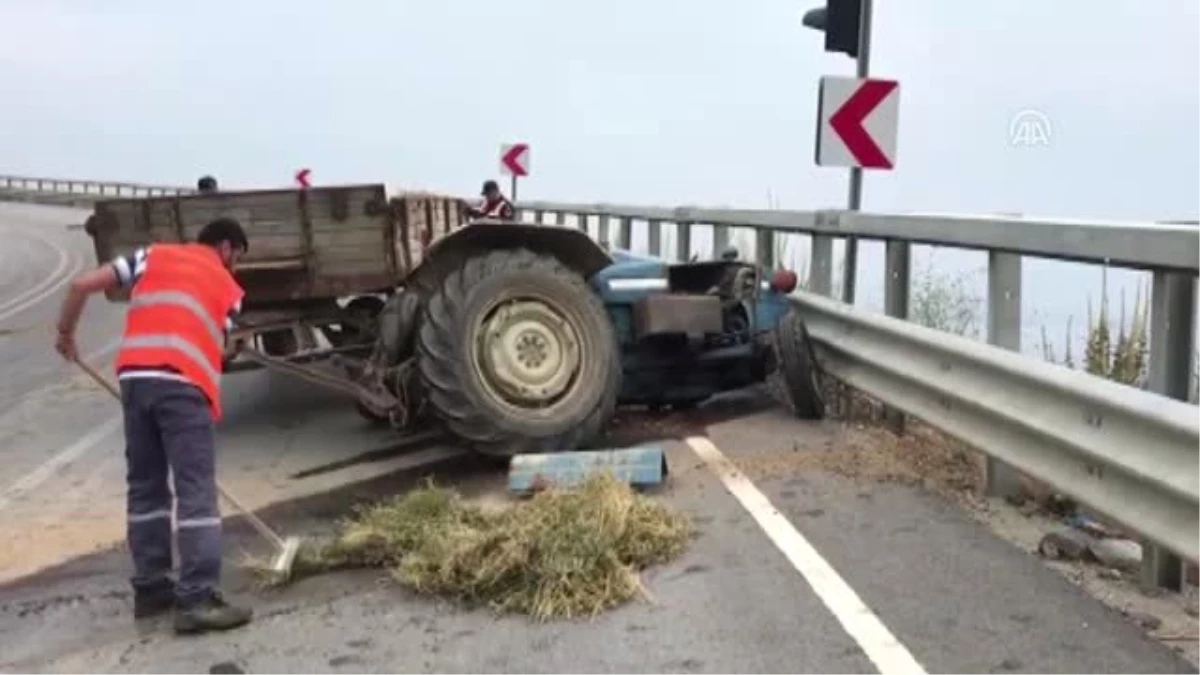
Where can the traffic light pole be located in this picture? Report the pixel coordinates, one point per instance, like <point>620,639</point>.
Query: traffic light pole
<point>854,200</point>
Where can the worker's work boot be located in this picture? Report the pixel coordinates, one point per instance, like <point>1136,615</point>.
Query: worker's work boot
<point>212,613</point>
<point>149,603</point>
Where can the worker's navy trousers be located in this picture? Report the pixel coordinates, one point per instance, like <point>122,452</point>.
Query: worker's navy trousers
<point>168,428</point>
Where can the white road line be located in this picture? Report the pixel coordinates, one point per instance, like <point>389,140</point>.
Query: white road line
<point>60,276</point>
<point>884,650</point>
<point>58,462</point>
<point>60,259</point>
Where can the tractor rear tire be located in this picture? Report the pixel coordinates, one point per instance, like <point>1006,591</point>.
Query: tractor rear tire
<point>517,355</point>
<point>798,363</point>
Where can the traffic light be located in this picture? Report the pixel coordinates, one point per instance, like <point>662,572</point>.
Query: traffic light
<point>839,20</point>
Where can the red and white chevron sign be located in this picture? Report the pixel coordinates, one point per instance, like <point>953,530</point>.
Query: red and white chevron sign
<point>858,122</point>
<point>514,159</point>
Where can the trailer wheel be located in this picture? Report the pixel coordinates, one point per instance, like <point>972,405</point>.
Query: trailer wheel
<point>518,355</point>
<point>280,343</point>
<point>801,373</point>
<point>361,310</point>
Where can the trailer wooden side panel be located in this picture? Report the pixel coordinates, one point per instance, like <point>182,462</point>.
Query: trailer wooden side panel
<point>420,220</point>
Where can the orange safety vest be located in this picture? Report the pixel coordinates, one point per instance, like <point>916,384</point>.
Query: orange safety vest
<point>177,313</point>
<point>500,209</point>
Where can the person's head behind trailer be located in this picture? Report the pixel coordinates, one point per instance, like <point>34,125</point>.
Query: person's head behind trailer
<point>206,185</point>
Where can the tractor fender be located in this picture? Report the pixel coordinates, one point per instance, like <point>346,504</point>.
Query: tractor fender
<point>574,248</point>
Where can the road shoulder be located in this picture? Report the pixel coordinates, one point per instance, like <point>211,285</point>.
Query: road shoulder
<point>963,598</point>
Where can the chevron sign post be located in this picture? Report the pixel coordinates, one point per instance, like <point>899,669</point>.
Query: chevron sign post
<point>858,121</point>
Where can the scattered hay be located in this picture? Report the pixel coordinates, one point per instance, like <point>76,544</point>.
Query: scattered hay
<point>561,554</point>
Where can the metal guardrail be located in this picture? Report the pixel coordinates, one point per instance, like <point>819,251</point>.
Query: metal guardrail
<point>77,192</point>
<point>1127,453</point>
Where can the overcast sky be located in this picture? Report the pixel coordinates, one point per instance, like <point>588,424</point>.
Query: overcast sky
<point>699,102</point>
<point>659,101</point>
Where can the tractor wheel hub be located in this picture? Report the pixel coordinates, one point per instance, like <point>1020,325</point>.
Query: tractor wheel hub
<point>528,352</point>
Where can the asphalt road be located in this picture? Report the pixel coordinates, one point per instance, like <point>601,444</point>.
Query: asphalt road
<point>37,259</point>
<point>793,571</point>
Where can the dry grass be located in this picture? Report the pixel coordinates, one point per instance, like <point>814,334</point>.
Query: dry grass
<point>562,554</point>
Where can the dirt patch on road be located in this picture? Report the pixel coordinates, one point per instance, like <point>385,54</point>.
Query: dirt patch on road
<point>921,457</point>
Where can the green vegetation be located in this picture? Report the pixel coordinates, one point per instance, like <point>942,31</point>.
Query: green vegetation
<point>945,302</point>
<point>1121,360</point>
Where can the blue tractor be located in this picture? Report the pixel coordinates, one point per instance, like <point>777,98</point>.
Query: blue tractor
<point>525,338</point>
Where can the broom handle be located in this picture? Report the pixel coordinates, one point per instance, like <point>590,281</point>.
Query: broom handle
<point>257,522</point>
<point>254,520</point>
<point>100,379</point>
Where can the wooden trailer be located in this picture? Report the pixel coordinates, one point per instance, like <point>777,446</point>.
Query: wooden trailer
<point>321,264</point>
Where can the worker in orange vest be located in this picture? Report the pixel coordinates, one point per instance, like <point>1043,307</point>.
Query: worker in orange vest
<point>183,300</point>
<point>494,205</point>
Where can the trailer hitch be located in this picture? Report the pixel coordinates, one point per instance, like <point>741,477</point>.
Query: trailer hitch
<point>377,399</point>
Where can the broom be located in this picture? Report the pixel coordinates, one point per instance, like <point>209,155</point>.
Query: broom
<point>285,549</point>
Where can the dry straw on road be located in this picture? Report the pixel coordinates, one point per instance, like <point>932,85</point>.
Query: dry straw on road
<point>561,554</point>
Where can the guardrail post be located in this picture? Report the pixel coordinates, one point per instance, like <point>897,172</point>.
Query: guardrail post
<point>560,219</point>
<point>897,270</point>
<point>850,274</point>
<point>1004,330</point>
<point>683,241</point>
<point>821,277</point>
<point>581,221</point>
<point>764,248</point>
<point>602,232</point>
<point>1172,344</point>
<point>539,217</point>
<point>720,240</point>
<point>625,233</point>
<point>654,238</point>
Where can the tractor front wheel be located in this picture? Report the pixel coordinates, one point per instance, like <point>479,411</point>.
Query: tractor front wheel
<point>518,355</point>
<point>801,373</point>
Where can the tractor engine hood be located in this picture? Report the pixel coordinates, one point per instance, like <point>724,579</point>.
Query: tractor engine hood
<point>630,277</point>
